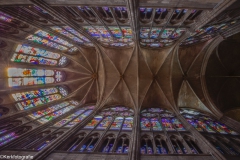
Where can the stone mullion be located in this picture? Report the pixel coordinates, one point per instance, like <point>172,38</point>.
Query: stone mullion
<point>31,143</point>
<point>58,141</point>
<point>189,141</point>
<point>23,113</point>
<point>31,121</point>
<point>134,152</point>
<point>168,140</point>
<point>99,18</point>
<point>116,139</point>
<point>151,25</point>
<point>49,30</point>
<point>87,136</point>
<point>39,142</point>
<point>54,13</point>
<point>168,20</point>
<point>34,109</point>
<point>15,39</point>
<point>36,25</point>
<point>132,6</point>
<point>103,134</point>
<point>235,125</point>
<point>225,148</point>
<point>59,128</point>
<point>206,146</point>
<point>153,140</point>
<point>38,129</point>
<point>207,16</point>
<point>115,19</point>
<point>183,19</point>
<point>233,30</point>
<point>183,141</point>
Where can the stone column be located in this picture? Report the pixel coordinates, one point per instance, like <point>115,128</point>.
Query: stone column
<point>206,146</point>
<point>134,152</point>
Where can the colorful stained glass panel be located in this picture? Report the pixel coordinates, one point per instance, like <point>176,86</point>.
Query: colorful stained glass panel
<point>79,118</point>
<point>94,122</point>
<point>36,52</point>
<point>178,125</point>
<point>55,114</point>
<point>68,119</point>
<point>117,123</point>
<point>45,42</point>
<point>167,124</point>
<point>66,33</point>
<point>145,124</point>
<point>105,123</point>
<point>128,123</point>
<point>49,36</point>
<point>156,126</point>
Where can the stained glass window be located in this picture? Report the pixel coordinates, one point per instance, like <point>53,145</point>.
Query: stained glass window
<point>93,32</point>
<point>145,124</point>
<point>225,128</point>
<point>49,36</point>
<point>178,125</point>
<point>156,118</point>
<point>68,118</point>
<point>66,33</point>
<point>26,77</point>
<point>117,123</point>
<point>156,126</point>
<point>5,17</point>
<point>105,123</point>
<point>38,97</point>
<point>167,124</point>
<point>128,123</point>
<point>94,122</point>
<point>203,122</point>
<point>122,118</point>
<point>27,54</point>
<point>194,124</point>
<point>167,32</point>
<point>45,42</point>
<point>177,33</point>
<point>76,33</point>
<point>7,138</point>
<point>207,32</point>
<point>26,49</point>
<point>48,110</point>
<point>56,114</point>
<point>205,126</point>
<point>79,118</point>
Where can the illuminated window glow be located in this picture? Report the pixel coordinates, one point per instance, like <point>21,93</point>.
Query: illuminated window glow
<point>26,77</point>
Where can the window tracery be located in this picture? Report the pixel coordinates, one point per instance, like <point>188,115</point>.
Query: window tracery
<point>53,112</point>
<point>203,122</point>
<point>35,98</point>
<point>50,40</point>
<point>6,138</point>
<point>28,77</point>
<point>26,54</point>
<point>76,117</point>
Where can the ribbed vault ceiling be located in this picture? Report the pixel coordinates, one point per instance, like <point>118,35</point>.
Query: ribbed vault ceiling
<point>137,77</point>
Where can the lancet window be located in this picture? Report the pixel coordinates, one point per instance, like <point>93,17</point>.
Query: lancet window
<point>34,98</point>
<point>54,111</point>
<point>115,120</point>
<point>204,123</point>
<point>28,77</point>
<point>27,54</point>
